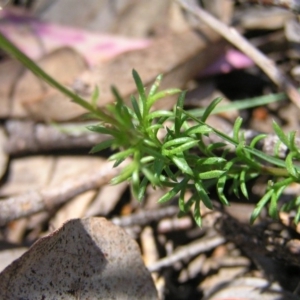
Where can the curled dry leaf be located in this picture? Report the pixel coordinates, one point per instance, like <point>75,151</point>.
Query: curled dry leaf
<point>85,259</point>
<point>178,56</point>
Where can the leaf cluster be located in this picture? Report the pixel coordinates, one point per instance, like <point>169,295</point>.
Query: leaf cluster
<point>180,160</point>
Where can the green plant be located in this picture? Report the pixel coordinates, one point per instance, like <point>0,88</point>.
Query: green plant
<point>180,160</point>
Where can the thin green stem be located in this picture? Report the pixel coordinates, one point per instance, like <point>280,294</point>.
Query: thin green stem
<point>7,46</point>
<point>277,172</point>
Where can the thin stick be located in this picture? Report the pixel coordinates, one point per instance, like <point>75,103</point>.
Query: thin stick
<point>30,137</point>
<point>145,217</point>
<point>293,5</point>
<point>234,37</point>
<point>32,202</point>
<point>188,251</point>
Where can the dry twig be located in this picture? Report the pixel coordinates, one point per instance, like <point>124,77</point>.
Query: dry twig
<point>261,239</point>
<point>234,37</point>
<point>47,198</point>
<point>192,249</point>
<point>31,137</point>
<point>145,217</point>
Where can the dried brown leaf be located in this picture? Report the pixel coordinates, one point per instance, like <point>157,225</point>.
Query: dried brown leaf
<point>179,57</point>
<point>29,93</point>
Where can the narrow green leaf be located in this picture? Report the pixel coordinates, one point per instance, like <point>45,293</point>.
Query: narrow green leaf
<point>158,166</point>
<point>189,203</point>
<point>277,148</point>
<point>198,129</point>
<point>236,129</point>
<point>118,97</point>
<point>257,153</point>
<point>135,183</point>
<point>125,174</point>
<point>220,190</point>
<point>95,97</point>
<point>297,217</point>
<point>177,141</point>
<point>182,164</point>
<point>257,139</point>
<point>146,160</point>
<point>197,214</point>
<point>126,116</point>
<point>159,114</point>
<point>150,176</point>
<point>273,209</point>
<point>91,116</point>
<point>180,149</point>
<point>181,202</point>
<point>210,161</point>
<point>222,181</point>
<point>235,185</point>
<point>287,207</point>
<point>101,129</point>
<point>152,152</point>
<point>170,134</point>
<point>243,183</point>
<point>118,162</point>
<point>260,205</point>
<point>160,95</point>
<point>210,108</point>
<point>170,174</point>
<point>291,138</point>
<point>136,108</point>
<point>243,104</point>
<point>142,189</point>
<point>215,146</point>
<point>149,143</point>
<point>119,110</point>
<point>154,128</point>
<point>270,159</point>
<point>102,146</point>
<point>172,193</point>
<point>203,195</point>
<point>178,112</point>
<point>280,134</point>
<point>155,85</point>
<point>140,87</point>
<point>284,182</point>
<point>290,165</point>
<point>211,174</point>
<point>245,156</point>
<point>112,110</point>
<point>122,154</point>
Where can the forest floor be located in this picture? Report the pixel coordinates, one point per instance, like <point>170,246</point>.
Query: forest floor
<point>48,176</point>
